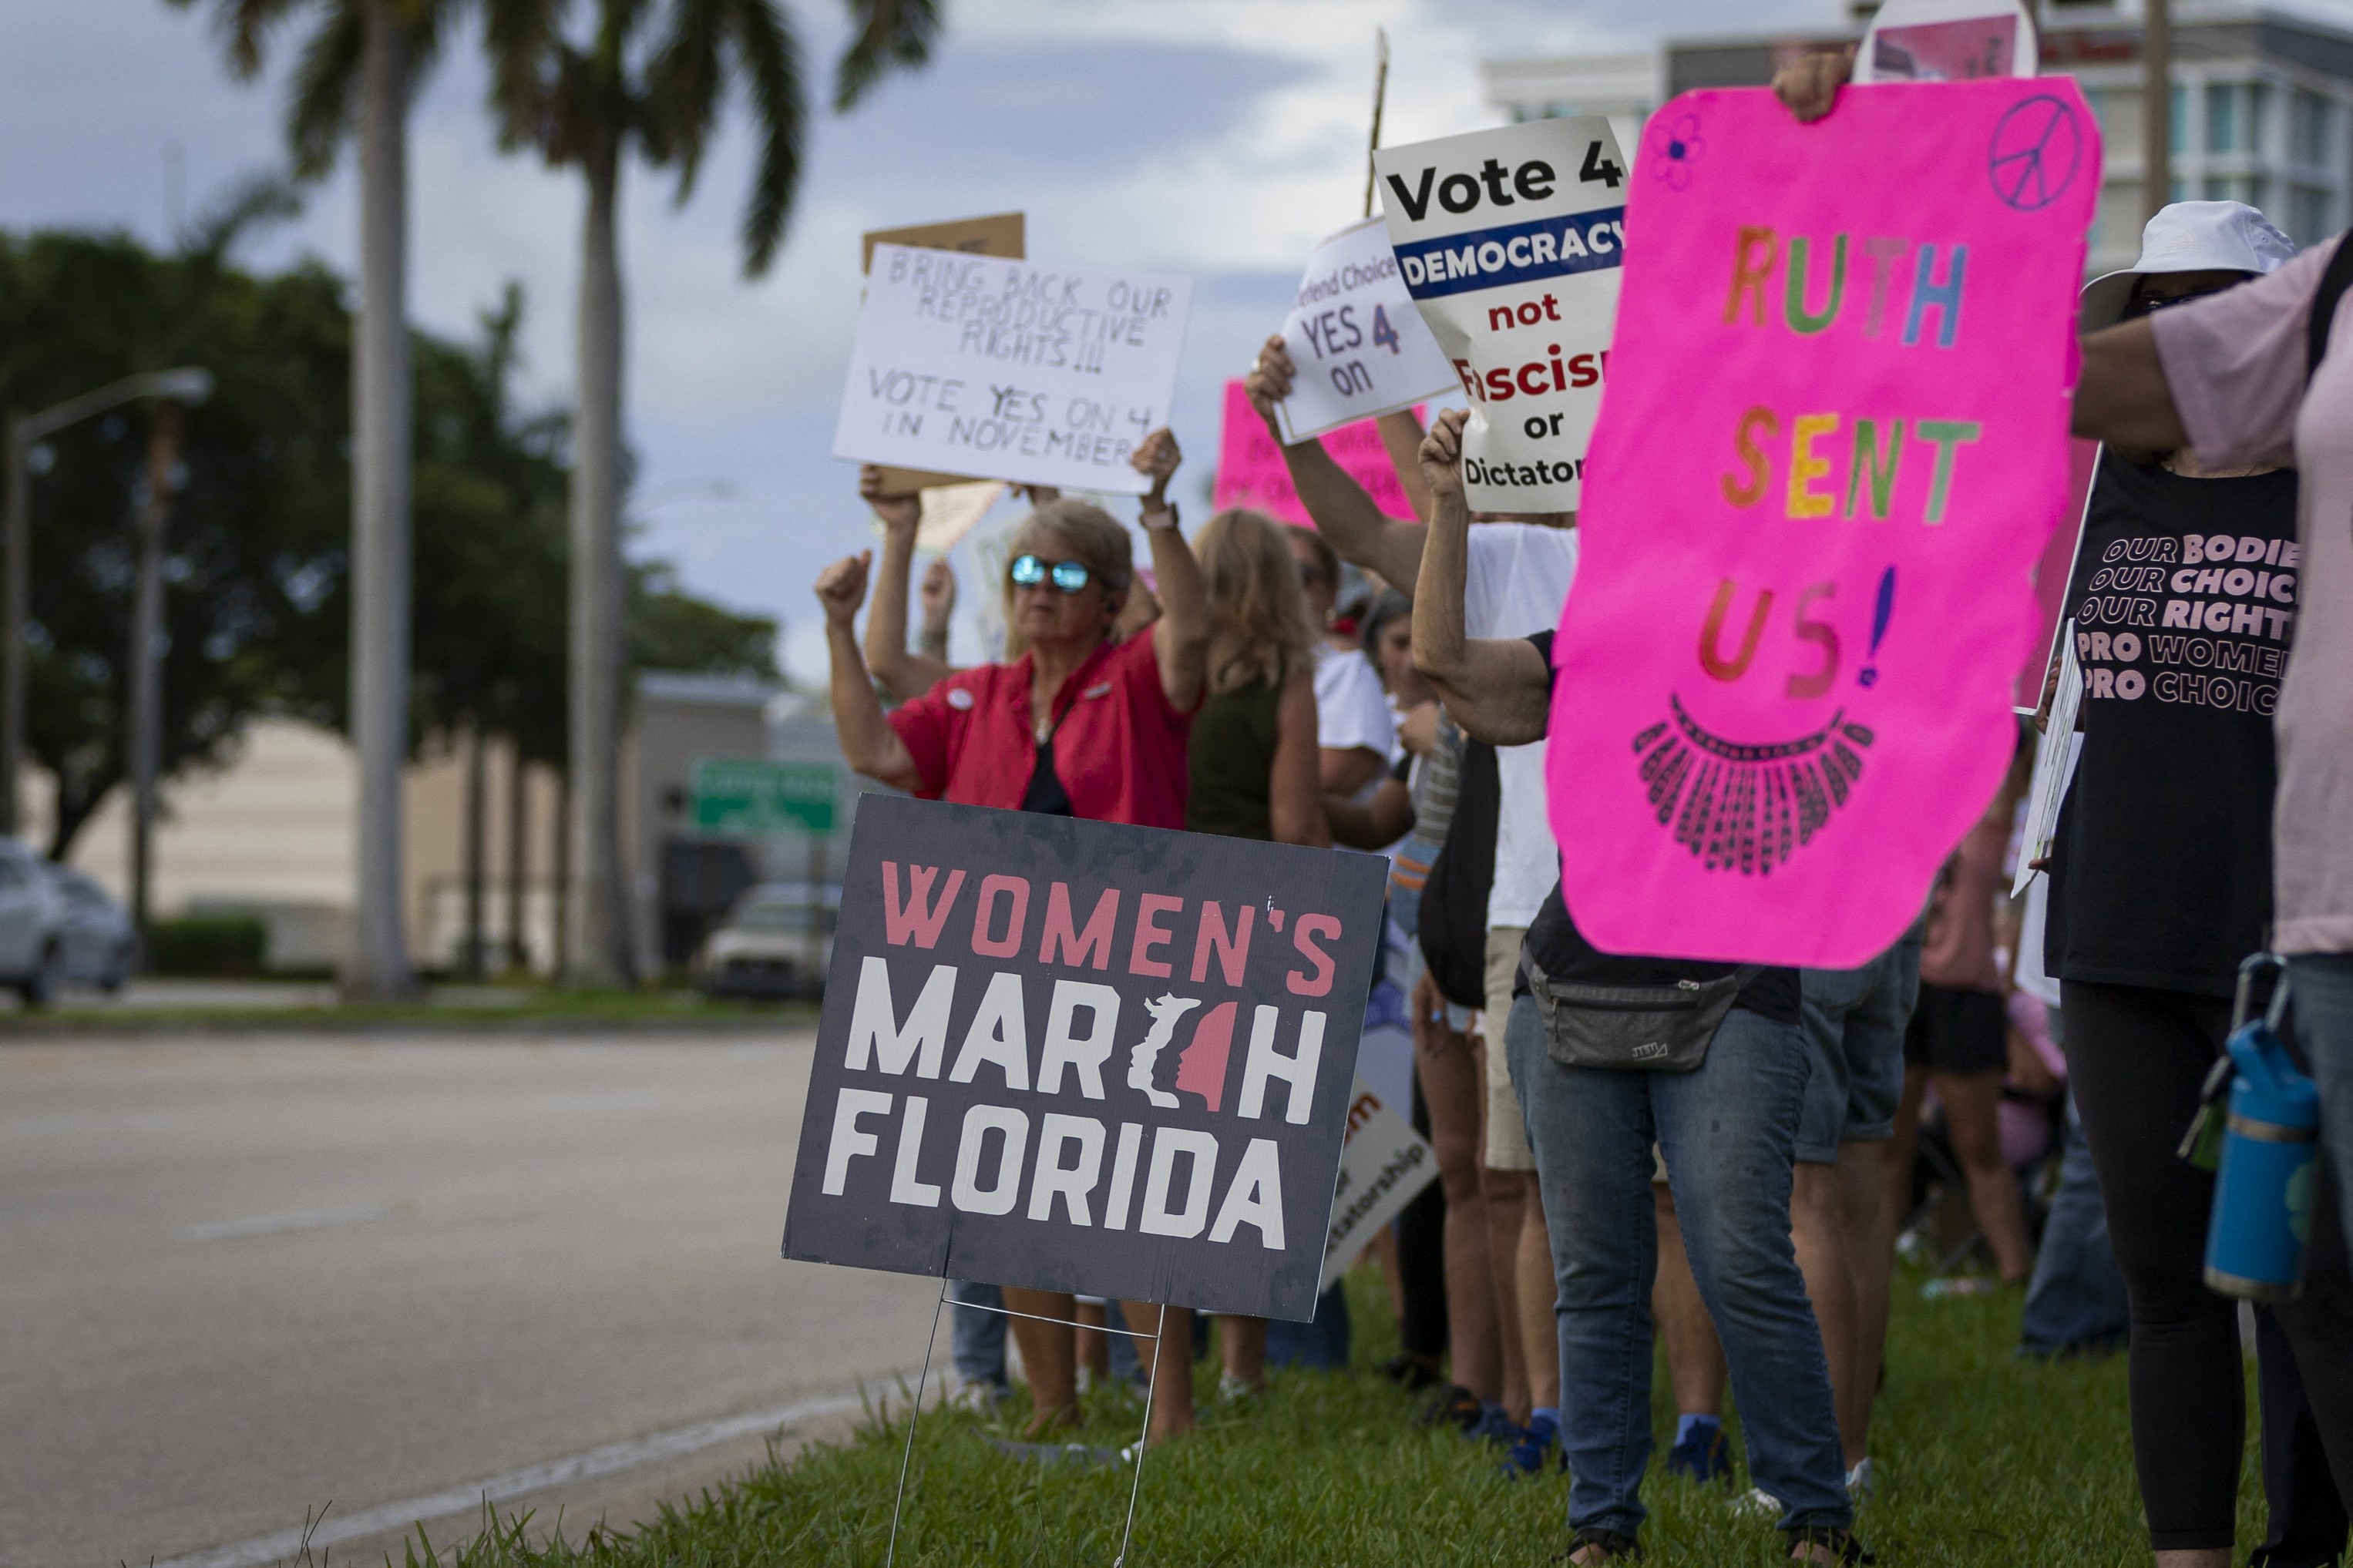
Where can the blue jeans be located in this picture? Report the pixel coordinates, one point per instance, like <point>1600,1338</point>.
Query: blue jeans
<point>980,1336</point>
<point>2075,1301</point>
<point>2324,1028</point>
<point>1728,1131</point>
<point>1854,1022</point>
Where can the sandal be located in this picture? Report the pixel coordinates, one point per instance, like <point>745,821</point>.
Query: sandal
<point>1613,1546</point>
<point>1457,1407</point>
<point>1844,1548</point>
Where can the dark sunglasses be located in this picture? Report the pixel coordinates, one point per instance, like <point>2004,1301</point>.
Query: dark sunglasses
<point>2149,305</point>
<point>1311,576</point>
<point>1069,576</point>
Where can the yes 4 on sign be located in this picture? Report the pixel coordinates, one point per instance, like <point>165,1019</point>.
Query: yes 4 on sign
<point>1078,1056</point>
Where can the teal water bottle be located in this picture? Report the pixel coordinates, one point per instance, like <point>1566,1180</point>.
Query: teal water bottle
<point>2263,1191</point>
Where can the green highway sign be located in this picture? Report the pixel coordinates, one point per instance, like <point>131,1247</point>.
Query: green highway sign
<point>753,797</point>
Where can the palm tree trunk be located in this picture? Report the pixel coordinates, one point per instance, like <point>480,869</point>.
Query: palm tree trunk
<point>476,957</point>
<point>378,963</point>
<point>597,952</point>
<point>518,858</point>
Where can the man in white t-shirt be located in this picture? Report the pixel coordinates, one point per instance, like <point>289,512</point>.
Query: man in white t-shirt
<point>1519,574</point>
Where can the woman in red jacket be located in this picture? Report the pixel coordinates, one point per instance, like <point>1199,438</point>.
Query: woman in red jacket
<point>1080,724</point>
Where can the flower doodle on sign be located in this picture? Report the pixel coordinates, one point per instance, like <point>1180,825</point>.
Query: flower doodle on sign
<point>1677,147</point>
<point>2035,151</point>
<point>1743,807</point>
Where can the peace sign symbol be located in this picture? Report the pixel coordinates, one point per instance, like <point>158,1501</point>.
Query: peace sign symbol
<point>2035,151</point>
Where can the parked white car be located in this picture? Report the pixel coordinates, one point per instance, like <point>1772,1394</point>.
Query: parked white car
<point>32,955</point>
<point>98,945</point>
<point>777,941</point>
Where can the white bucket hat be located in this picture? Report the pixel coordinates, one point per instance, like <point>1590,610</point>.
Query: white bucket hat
<point>2188,236</point>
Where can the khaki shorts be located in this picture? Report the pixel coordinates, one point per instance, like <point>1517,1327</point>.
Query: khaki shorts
<point>1507,1133</point>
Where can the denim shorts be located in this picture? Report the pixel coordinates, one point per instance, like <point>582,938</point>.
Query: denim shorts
<point>1457,1018</point>
<point>1854,1021</point>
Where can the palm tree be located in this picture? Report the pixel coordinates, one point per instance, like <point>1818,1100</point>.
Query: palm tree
<point>650,75</point>
<point>361,62</point>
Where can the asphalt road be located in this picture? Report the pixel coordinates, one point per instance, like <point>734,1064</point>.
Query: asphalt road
<point>242,1279</point>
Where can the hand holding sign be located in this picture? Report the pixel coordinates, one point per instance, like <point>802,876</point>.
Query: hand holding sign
<point>1442,453</point>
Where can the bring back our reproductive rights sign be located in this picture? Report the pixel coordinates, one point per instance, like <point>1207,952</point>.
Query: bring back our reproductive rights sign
<point>1078,1055</point>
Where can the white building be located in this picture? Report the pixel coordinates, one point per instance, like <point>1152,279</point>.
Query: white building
<point>2263,103</point>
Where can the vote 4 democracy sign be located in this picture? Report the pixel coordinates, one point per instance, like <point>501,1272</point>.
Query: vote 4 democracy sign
<point>1355,338</point>
<point>1509,242</point>
<point>1010,369</point>
<point>1080,1055</point>
<point>1831,453</point>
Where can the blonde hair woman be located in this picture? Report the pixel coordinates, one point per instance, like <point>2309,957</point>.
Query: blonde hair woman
<point>1253,755</point>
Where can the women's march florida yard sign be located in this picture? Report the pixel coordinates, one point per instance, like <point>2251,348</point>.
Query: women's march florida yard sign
<point>1078,1056</point>
<point>1834,443</point>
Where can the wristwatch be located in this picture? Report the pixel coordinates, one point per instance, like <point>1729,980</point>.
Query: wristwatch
<point>1165,518</point>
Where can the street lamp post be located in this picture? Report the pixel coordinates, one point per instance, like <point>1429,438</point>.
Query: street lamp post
<point>2156,106</point>
<point>188,384</point>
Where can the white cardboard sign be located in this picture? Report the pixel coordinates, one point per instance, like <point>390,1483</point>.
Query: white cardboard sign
<point>1947,40</point>
<point>1511,242</point>
<point>1355,338</point>
<point>1011,370</point>
<point>2054,763</point>
<point>1384,1165</point>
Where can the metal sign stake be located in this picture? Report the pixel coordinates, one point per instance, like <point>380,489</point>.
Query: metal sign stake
<point>913,1416</point>
<point>1142,1441</point>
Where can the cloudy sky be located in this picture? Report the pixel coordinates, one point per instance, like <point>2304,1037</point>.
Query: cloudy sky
<point>1219,138</point>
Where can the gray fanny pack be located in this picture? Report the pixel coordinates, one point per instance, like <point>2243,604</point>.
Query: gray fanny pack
<point>1633,1028</point>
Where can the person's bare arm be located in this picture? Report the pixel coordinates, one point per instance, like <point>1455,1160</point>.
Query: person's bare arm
<point>1180,638</point>
<point>1377,823</point>
<point>938,596</point>
<point>2122,397</point>
<point>1808,85</point>
<point>1294,793</point>
<point>905,676</point>
<point>1341,511</point>
<point>1401,434</point>
<point>1430,1034</point>
<point>1345,770</point>
<point>1497,689</point>
<point>1418,731</point>
<point>869,744</point>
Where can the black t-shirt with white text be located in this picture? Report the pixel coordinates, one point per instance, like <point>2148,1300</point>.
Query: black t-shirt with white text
<point>1561,951</point>
<point>2184,599</point>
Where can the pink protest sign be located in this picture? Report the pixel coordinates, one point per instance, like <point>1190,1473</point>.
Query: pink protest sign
<point>1250,471</point>
<point>2052,571</point>
<point>1834,444</point>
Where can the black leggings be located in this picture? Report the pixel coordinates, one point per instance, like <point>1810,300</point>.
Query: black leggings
<point>2136,1058</point>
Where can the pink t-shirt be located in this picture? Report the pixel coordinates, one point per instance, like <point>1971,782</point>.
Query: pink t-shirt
<point>2236,366</point>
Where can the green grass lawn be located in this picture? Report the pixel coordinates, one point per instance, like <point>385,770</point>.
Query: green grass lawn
<point>1983,1459</point>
